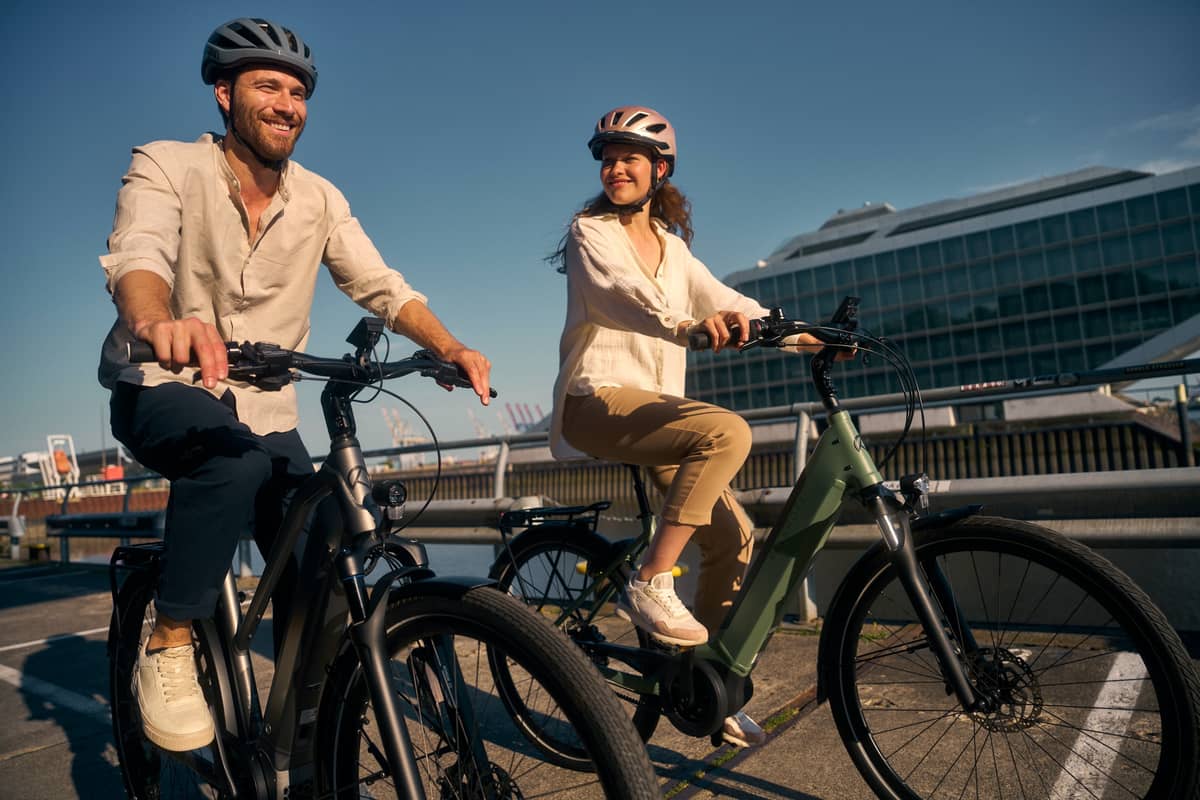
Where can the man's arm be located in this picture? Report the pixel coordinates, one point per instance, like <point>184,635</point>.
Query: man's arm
<point>417,322</point>
<point>144,304</point>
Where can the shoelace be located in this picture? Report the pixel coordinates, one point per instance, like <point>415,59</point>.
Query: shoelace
<point>177,673</point>
<point>667,599</point>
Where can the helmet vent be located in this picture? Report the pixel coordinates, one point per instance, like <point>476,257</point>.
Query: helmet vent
<point>635,119</point>
<point>657,127</point>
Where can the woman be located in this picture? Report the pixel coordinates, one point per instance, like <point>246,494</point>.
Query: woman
<point>635,291</point>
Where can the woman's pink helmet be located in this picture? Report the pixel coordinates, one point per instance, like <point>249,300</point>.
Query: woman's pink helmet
<point>635,125</point>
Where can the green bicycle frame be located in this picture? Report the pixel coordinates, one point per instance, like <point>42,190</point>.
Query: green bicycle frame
<point>839,464</point>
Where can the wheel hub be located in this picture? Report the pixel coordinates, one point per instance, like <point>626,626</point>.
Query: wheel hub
<point>1013,699</point>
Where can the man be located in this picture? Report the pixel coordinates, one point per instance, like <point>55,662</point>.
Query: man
<point>216,240</point>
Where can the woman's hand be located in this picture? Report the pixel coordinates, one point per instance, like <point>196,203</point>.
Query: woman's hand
<point>724,329</point>
<point>807,343</point>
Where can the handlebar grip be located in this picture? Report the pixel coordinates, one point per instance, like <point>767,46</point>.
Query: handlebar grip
<point>139,352</point>
<point>700,340</point>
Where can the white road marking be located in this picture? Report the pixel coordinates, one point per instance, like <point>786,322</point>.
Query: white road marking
<point>49,639</point>
<point>1085,773</point>
<point>56,694</point>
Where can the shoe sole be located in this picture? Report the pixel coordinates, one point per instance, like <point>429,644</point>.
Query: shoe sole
<point>177,742</point>
<point>625,614</point>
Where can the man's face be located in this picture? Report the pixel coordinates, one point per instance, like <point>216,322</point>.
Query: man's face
<point>268,109</point>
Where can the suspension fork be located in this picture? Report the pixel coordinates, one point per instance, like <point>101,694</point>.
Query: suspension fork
<point>897,535</point>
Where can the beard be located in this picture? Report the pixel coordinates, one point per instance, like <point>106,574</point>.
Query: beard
<point>259,136</point>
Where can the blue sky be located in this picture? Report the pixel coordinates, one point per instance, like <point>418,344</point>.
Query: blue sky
<point>457,131</point>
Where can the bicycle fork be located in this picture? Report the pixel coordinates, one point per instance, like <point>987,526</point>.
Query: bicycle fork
<point>892,519</point>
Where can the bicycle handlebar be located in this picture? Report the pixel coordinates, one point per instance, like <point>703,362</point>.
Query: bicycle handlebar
<point>270,367</point>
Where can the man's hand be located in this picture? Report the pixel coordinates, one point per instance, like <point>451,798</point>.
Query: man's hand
<point>176,340</point>
<point>476,367</point>
<point>720,329</point>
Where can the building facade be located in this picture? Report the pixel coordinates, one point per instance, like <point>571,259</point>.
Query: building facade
<point>1058,275</point>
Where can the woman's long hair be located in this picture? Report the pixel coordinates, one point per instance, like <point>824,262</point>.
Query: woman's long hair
<point>669,205</point>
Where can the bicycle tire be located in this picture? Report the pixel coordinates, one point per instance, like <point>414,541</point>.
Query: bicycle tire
<point>541,568</point>
<point>476,622</point>
<point>1098,695</point>
<point>147,772</point>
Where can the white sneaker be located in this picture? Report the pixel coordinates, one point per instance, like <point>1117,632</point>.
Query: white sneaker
<point>654,607</point>
<point>742,731</point>
<point>175,715</point>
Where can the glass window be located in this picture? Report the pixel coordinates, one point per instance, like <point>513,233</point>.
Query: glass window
<point>1083,222</point>
<point>1194,194</point>
<point>1067,328</point>
<point>843,274</point>
<point>721,376</point>
<point>1010,302</point>
<point>931,255</point>
<point>986,307</point>
<point>1098,354</point>
<point>1120,283</point>
<point>1016,365</point>
<point>1013,334</point>
<point>1111,217</point>
<point>1172,204</point>
<point>804,282</point>
<point>701,378</point>
<point>1006,270</point>
<point>1087,256</point>
<point>1054,229</point>
<point>1071,359</point>
<point>1182,275</point>
<point>1033,266</point>
<point>1141,211</point>
<point>1115,250</point>
<point>1002,240</point>
<point>1037,298</point>
<point>969,372</point>
<point>1041,331</point>
<point>1125,319</point>
<point>869,295</point>
<point>891,322</point>
<point>992,368</point>
<point>864,269</point>
<point>1058,261</point>
<point>907,260</point>
<point>956,280</point>
<point>981,276</point>
<point>757,370</point>
<point>1177,239</point>
<point>1091,289</point>
<point>885,264</point>
<point>941,346</point>
<point>1146,245</point>
<point>953,250</point>
<point>1062,294</point>
<point>1156,315</point>
<point>945,375</point>
<point>1045,363</point>
<point>914,318</point>
<point>823,276</point>
<point>1185,306</point>
<point>935,313</point>
<point>1029,234</point>
<point>960,310</point>
<point>1151,279</point>
<point>1095,323</point>
<point>988,338</point>
<point>977,246</point>
<point>775,369</point>
<point>917,348</point>
<point>964,343</point>
<point>934,284</point>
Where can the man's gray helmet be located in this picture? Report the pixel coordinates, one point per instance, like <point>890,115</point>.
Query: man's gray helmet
<point>251,40</point>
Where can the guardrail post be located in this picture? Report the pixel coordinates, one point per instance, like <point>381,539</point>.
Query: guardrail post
<point>245,569</point>
<point>805,599</point>
<point>1187,457</point>
<point>501,469</point>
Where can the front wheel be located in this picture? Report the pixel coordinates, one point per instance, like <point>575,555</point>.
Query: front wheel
<point>465,742</point>
<point>1090,693</point>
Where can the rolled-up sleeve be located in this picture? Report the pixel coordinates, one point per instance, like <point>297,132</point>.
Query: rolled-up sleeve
<point>360,271</point>
<point>709,295</point>
<point>146,228</point>
<point>616,293</point>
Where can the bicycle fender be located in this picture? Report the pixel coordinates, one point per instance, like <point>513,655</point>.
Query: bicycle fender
<point>827,647</point>
<point>440,586</point>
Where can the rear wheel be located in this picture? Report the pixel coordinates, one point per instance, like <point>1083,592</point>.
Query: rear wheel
<point>558,572</point>
<point>150,773</point>
<point>1091,692</point>
<point>465,742</point>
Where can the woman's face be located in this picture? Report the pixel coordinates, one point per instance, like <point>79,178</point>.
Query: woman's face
<point>625,172</point>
